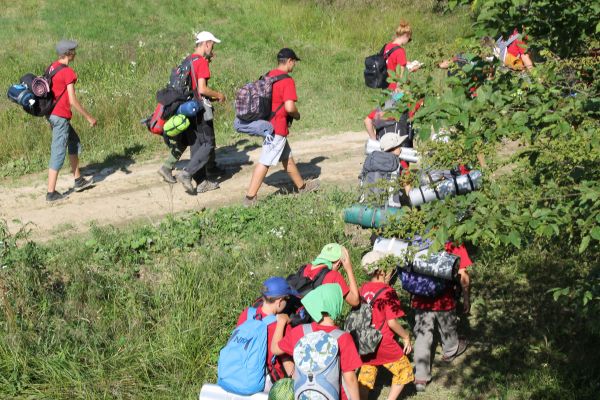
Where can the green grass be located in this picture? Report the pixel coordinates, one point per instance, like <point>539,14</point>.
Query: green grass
<point>142,312</point>
<point>128,47</point>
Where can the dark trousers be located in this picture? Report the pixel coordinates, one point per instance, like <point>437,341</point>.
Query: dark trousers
<point>200,137</point>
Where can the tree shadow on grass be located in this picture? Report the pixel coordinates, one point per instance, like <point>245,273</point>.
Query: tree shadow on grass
<point>522,341</point>
<point>112,163</point>
<point>281,180</point>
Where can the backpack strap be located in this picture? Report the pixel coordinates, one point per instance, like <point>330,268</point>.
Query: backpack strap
<point>251,314</point>
<point>275,80</point>
<point>337,333</point>
<point>307,328</point>
<point>192,58</point>
<point>270,319</point>
<point>318,281</point>
<point>49,75</point>
<point>388,53</point>
<point>380,291</point>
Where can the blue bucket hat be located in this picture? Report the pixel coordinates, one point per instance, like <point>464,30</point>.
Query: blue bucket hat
<point>277,286</point>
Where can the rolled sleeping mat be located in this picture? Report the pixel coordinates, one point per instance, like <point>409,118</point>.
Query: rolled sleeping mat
<point>369,217</point>
<point>412,157</point>
<point>21,95</point>
<point>448,187</point>
<point>190,108</point>
<point>371,146</point>
<point>439,265</point>
<point>216,392</point>
<point>175,125</point>
<point>40,86</point>
<point>433,176</point>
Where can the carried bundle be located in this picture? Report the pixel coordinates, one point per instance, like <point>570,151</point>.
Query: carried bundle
<point>34,93</point>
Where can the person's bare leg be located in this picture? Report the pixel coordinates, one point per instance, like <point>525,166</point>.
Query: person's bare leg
<point>290,167</point>
<point>258,176</point>
<point>52,178</point>
<point>74,161</point>
<point>527,61</point>
<point>395,391</point>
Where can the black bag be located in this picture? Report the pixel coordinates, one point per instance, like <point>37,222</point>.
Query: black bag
<point>376,68</point>
<point>42,106</point>
<point>303,285</point>
<point>183,75</point>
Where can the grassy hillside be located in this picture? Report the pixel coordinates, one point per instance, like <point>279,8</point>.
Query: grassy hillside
<point>128,47</point>
<point>142,312</point>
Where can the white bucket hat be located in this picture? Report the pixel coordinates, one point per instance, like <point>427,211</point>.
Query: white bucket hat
<point>391,140</point>
<point>206,36</point>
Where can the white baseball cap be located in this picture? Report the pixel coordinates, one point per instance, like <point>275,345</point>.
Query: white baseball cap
<point>205,36</point>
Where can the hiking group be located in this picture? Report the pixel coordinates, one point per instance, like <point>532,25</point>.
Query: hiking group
<point>291,331</point>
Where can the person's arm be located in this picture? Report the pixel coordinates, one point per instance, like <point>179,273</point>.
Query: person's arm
<point>465,283</point>
<point>353,296</point>
<point>370,128</point>
<point>351,385</point>
<point>291,109</point>
<point>400,331</point>
<point>77,105</point>
<point>205,91</point>
<point>527,61</point>
<point>282,320</point>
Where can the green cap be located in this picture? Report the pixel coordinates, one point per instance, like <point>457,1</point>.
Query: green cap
<point>331,252</point>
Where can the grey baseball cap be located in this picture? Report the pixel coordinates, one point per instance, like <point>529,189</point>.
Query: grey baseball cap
<point>65,46</point>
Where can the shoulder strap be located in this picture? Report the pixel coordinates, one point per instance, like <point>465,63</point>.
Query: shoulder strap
<point>251,314</point>
<point>269,319</point>
<point>50,75</point>
<point>390,51</point>
<point>306,329</point>
<point>318,281</point>
<point>337,333</point>
<point>192,58</point>
<point>376,295</point>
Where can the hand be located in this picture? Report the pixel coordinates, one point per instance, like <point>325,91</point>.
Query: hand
<point>297,116</point>
<point>220,98</point>
<point>407,345</point>
<point>91,120</point>
<point>467,306</point>
<point>345,259</point>
<point>283,319</point>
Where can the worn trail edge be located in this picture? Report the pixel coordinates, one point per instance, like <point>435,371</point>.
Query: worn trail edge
<point>136,192</point>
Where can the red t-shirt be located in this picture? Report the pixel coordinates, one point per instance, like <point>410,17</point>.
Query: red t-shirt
<point>387,306</point>
<point>201,70</point>
<point>270,332</point>
<point>518,47</point>
<point>445,301</point>
<point>331,277</point>
<point>349,358</point>
<point>64,77</point>
<point>283,91</point>
<point>398,57</point>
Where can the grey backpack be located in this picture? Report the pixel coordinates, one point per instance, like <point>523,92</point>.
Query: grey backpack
<point>360,325</point>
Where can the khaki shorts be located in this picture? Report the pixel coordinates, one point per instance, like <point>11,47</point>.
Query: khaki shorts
<point>401,370</point>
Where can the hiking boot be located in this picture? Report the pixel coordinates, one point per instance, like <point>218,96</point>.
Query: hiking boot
<point>215,170</point>
<point>167,175</point>
<point>310,186</point>
<point>462,346</point>
<point>206,186</point>
<point>81,184</point>
<point>186,180</point>
<point>250,201</point>
<point>52,197</point>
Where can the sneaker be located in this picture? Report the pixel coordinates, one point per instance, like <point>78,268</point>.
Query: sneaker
<point>54,196</point>
<point>206,186</point>
<point>215,170</point>
<point>250,201</point>
<point>310,186</point>
<point>167,175</point>
<point>186,180</point>
<point>462,346</point>
<point>420,386</point>
<point>81,184</point>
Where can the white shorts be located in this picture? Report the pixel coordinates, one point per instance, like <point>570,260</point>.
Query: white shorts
<point>275,150</point>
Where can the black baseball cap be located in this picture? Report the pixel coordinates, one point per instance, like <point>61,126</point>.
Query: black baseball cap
<point>286,53</point>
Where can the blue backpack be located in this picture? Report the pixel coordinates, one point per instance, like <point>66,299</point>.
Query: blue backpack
<point>242,362</point>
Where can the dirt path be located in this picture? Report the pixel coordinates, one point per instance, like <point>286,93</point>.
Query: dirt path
<point>135,192</point>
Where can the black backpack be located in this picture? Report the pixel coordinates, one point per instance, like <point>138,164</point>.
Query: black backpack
<point>183,75</point>
<point>402,127</point>
<point>376,68</point>
<point>303,285</point>
<point>44,105</point>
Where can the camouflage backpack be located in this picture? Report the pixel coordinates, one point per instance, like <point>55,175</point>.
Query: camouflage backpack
<point>360,325</point>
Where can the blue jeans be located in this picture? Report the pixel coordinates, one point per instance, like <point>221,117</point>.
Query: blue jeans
<point>64,138</point>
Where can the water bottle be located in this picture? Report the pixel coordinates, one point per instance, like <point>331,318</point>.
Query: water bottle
<point>208,112</point>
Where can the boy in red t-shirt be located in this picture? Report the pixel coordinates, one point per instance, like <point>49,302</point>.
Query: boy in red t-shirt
<point>64,137</point>
<point>334,256</point>
<point>324,304</point>
<point>386,310</point>
<point>440,310</point>
<point>277,148</point>
<point>275,293</point>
